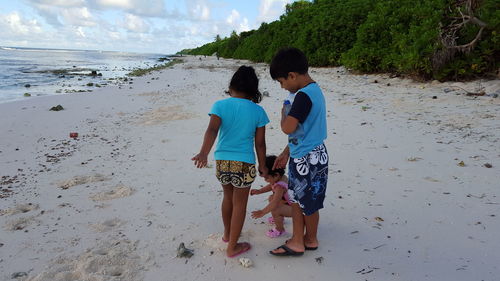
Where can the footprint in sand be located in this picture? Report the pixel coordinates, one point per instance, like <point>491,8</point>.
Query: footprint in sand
<point>118,191</point>
<point>78,180</point>
<point>106,261</point>
<point>20,223</point>
<point>163,114</point>
<point>21,208</point>
<point>107,225</point>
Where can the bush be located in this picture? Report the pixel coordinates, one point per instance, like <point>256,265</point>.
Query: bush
<point>370,36</point>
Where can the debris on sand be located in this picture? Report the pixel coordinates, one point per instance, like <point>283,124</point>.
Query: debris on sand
<point>57,108</point>
<point>319,260</point>
<point>183,252</point>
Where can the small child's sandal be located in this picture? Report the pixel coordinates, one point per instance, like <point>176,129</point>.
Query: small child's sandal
<point>274,233</point>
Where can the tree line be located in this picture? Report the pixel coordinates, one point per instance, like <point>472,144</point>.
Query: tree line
<point>430,39</point>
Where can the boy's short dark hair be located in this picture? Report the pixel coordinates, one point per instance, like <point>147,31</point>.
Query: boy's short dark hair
<point>270,163</point>
<point>288,60</point>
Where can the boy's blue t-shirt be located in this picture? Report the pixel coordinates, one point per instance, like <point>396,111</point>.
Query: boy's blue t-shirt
<point>240,119</point>
<point>313,130</point>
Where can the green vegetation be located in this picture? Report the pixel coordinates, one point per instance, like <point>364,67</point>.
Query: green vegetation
<point>144,71</point>
<point>431,39</point>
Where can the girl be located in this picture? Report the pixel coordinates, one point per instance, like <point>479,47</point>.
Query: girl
<point>279,202</point>
<point>239,121</point>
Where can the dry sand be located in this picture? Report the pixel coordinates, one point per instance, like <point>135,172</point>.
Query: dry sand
<point>413,191</point>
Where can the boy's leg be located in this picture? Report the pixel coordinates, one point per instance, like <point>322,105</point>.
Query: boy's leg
<point>227,209</point>
<point>240,200</point>
<point>296,243</point>
<point>311,237</point>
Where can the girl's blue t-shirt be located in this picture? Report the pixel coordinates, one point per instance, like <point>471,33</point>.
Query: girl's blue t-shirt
<point>240,119</point>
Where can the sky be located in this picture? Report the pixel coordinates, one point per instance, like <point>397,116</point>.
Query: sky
<point>144,26</point>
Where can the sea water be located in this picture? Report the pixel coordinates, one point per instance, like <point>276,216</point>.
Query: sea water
<point>28,72</point>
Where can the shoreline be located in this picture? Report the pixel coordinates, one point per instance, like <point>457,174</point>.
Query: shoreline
<point>29,72</point>
<point>409,194</point>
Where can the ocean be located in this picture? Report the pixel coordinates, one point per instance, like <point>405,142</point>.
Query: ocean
<point>29,72</point>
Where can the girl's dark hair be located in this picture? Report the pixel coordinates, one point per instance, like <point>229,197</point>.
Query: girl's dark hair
<point>288,60</point>
<point>269,164</point>
<point>245,80</point>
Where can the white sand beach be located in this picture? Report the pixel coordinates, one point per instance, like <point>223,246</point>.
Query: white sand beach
<point>413,193</point>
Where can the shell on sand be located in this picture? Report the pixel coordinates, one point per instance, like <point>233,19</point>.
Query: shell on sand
<point>246,262</point>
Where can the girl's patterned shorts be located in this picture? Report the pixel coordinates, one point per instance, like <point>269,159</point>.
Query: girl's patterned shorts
<point>239,174</point>
<point>308,177</point>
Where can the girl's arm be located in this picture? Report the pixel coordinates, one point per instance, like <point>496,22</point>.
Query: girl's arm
<point>200,159</point>
<point>278,194</point>
<point>260,148</point>
<point>264,189</point>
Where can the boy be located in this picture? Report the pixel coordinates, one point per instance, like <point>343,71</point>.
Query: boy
<point>305,125</point>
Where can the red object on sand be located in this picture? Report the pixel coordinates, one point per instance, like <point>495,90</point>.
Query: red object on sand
<point>73,135</point>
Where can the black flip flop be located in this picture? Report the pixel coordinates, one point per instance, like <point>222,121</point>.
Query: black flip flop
<point>287,252</point>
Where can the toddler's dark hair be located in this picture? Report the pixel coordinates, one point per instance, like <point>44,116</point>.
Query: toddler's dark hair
<point>245,80</point>
<point>288,60</point>
<point>269,164</point>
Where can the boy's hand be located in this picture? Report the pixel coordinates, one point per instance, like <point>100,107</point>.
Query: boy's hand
<point>281,161</point>
<point>200,160</point>
<point>254,191</point>
<point>257,214</point>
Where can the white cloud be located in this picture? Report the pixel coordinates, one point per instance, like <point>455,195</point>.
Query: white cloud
<point>60,3</point>
<point>80,33</point>
<point>78,16</point>
<point>270,10</point>
<point>233,17</point>
<point>121,4</point>
<point>198,9</point>
<point>129,25</point>
<point>50,14</point>
<point>14,24</point>
<point>135,24</point>
<point>150,8</point>
<point>236,23</point>
<point>114,35</point>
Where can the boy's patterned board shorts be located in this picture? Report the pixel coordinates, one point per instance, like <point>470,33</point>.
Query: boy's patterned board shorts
<point>239,174</point>
<point>308,177</point>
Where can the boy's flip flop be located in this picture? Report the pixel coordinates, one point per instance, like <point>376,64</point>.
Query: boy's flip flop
<point>246,248</point>
<point>287,252</point>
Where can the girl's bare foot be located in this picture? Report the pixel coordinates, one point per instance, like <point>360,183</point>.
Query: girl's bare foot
<point>239,249</point>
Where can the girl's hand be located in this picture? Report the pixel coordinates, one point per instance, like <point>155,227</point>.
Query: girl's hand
<point>200,160</point>
<point>257,214</point>
<point>263,171</point>
<point>254,191</point>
